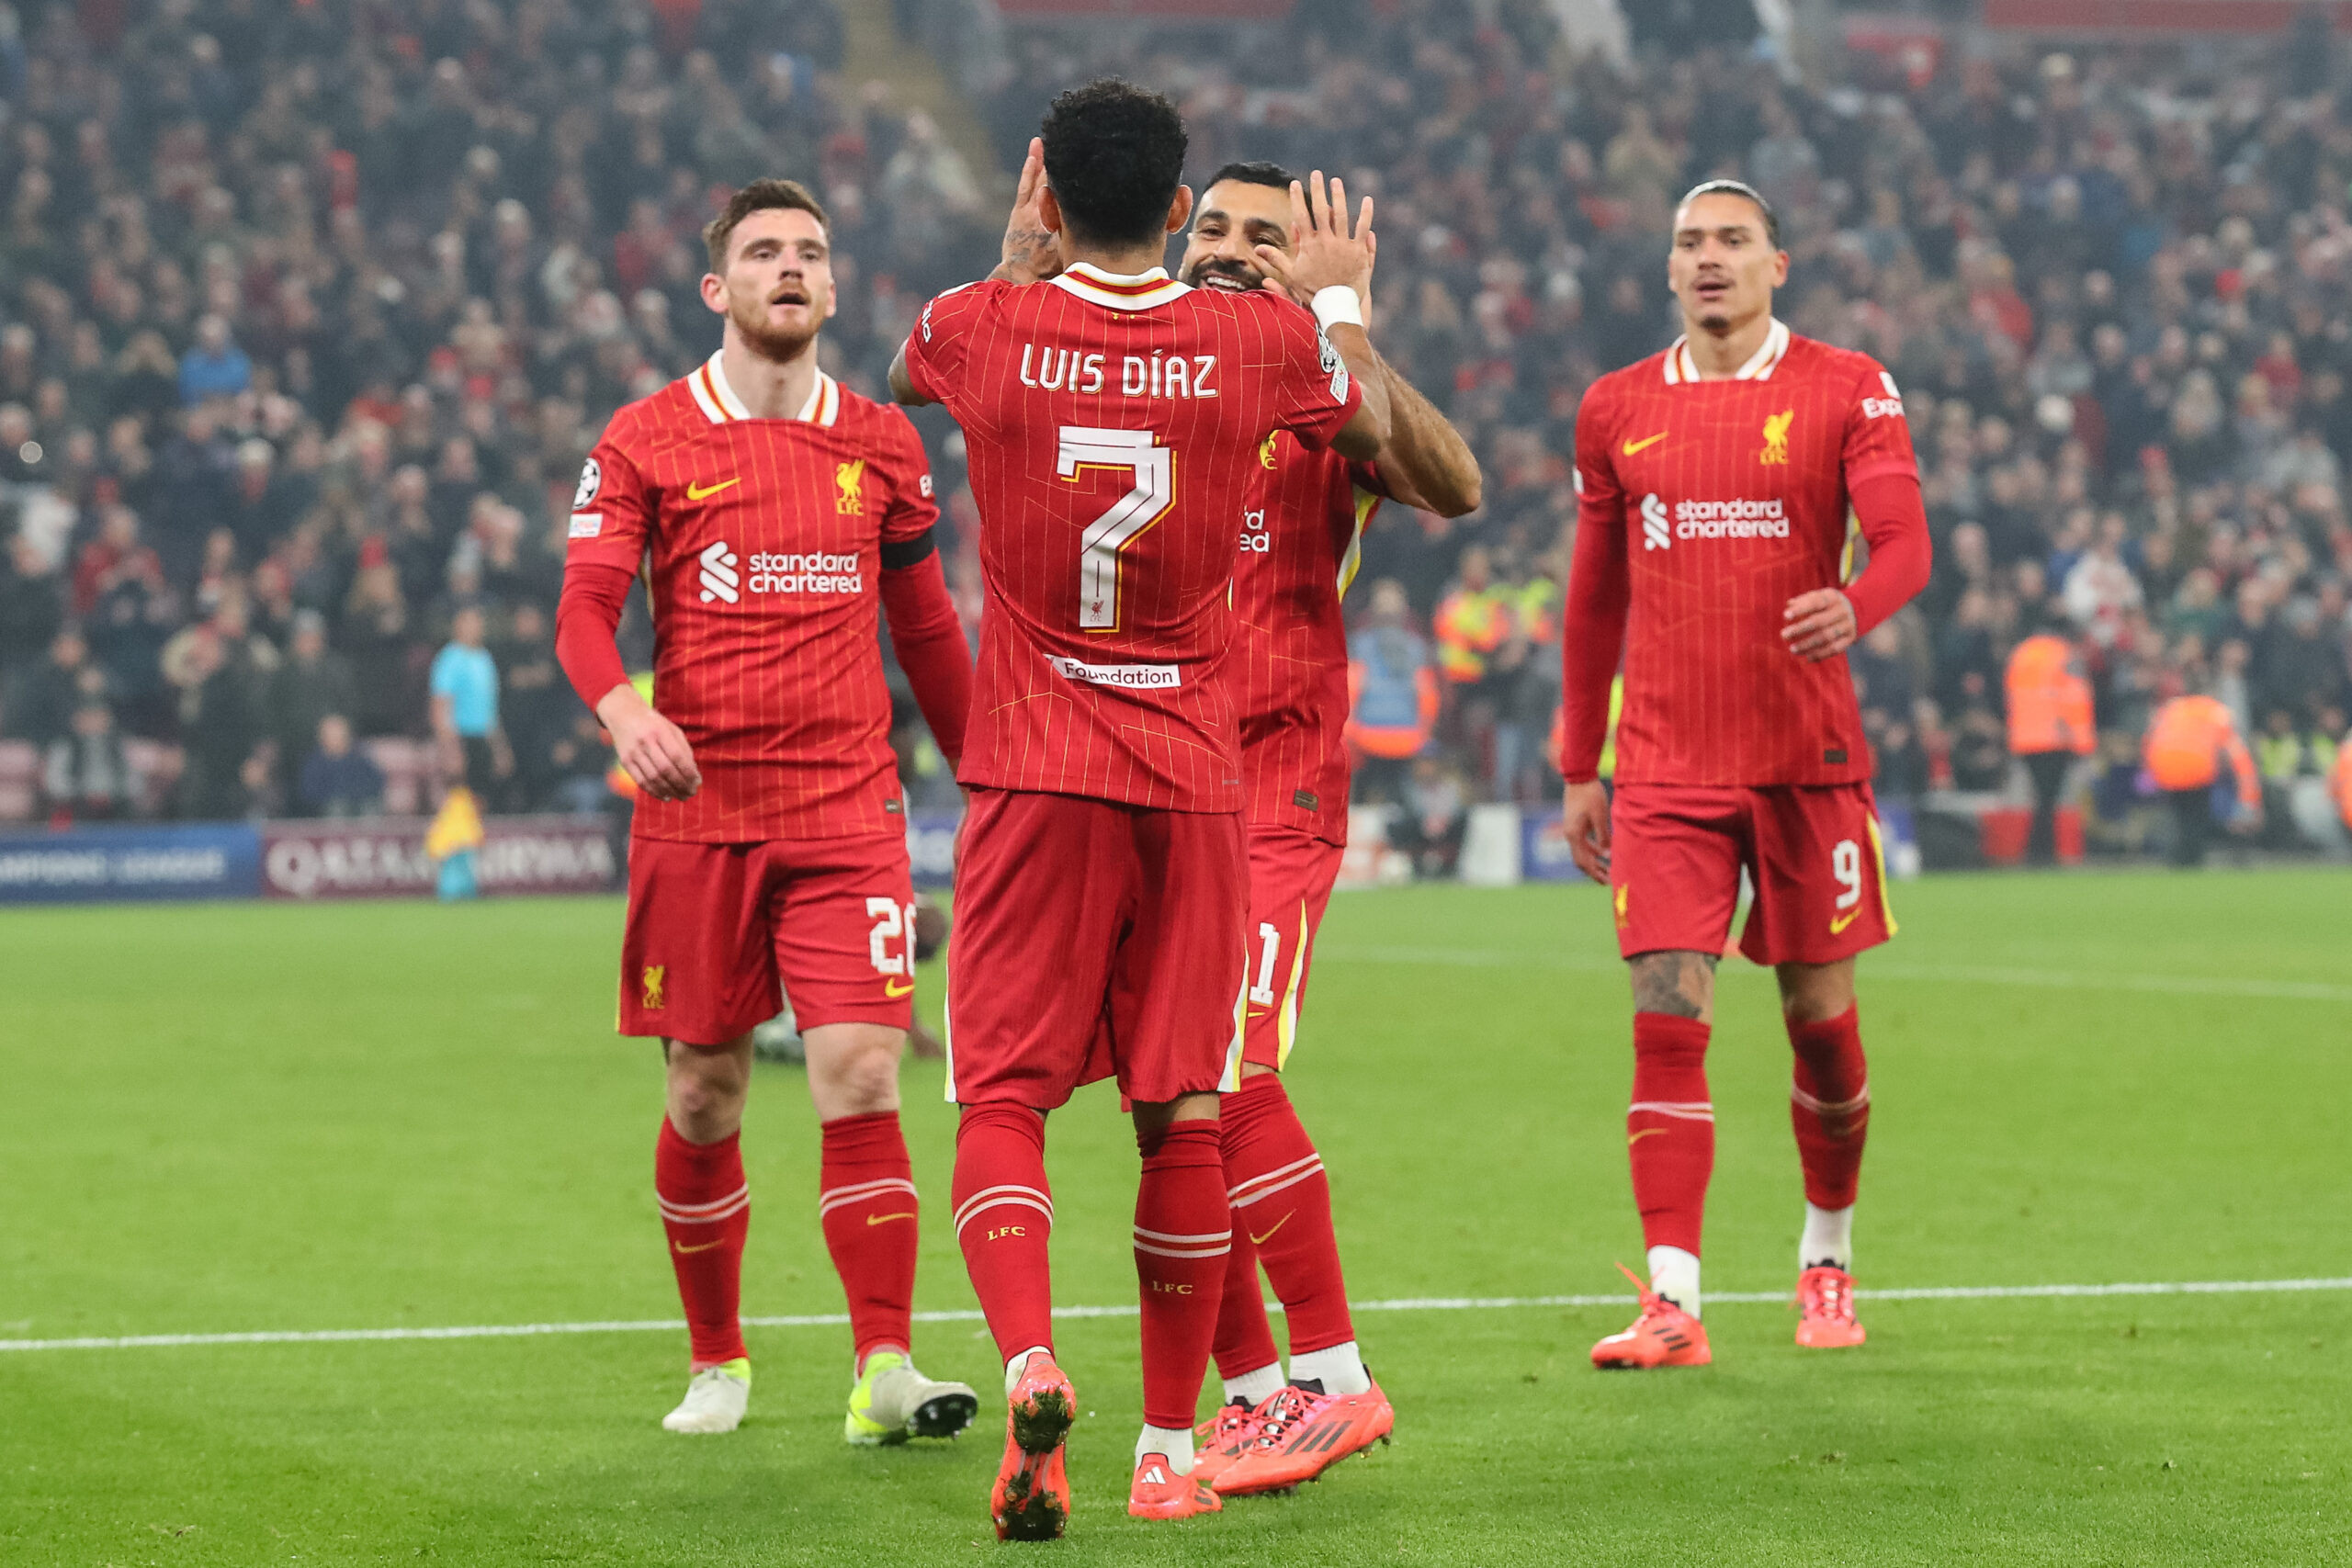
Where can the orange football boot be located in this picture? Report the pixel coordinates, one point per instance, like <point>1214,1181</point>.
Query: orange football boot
<point>1664,1335</point>
<point>1301,1434</point>
<point>1826,1309</point>
<point>1031,1501</point>
<point>1220,1440</point>
<point>1159,1493</point>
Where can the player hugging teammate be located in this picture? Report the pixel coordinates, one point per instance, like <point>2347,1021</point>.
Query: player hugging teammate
<point>1717,482</point>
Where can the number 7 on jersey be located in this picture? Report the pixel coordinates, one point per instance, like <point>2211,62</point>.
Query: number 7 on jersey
<point>1154,467</point>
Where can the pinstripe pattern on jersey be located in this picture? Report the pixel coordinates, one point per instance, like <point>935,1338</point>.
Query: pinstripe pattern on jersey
<point>1289,664</point>
<point>1711,695</point>
<point>781,693</point>
<point>1016,367</point>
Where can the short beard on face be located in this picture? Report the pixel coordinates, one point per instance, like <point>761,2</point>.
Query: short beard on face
<point>767,342</point>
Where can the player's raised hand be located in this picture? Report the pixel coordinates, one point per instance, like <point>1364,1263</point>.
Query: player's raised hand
<point>654,751</point>
<point>1031,252</point>
<point>1584,822</point>
<point>1819,625</point>
<point>1332,254</point>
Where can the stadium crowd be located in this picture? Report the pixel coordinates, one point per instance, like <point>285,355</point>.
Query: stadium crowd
<point>309,313</point>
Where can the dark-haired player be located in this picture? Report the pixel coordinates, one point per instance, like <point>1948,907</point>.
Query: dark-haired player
<point>1302,521</point>
<point>1112,417</point>
<point>773,510</point>
<point>1713,545</point>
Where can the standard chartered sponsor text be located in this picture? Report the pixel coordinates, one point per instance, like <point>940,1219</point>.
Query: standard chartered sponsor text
<point>812,572</point>
<point>1745,518</point>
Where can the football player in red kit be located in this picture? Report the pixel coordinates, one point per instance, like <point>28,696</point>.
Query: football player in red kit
<point>1302,525</point>
<point>1713,545</point>
<point>774,511</point>
<point>1111,417</point>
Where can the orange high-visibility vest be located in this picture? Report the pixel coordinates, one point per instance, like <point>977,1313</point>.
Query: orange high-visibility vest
<point>2339,781</point>
<point>2187,742</point>
<point>1469,626</point>
<point>2050,700</point>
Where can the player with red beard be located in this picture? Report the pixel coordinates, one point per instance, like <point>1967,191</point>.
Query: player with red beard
<point>1112,417</point>
<point>1713,545</point>
<point>774,512</point>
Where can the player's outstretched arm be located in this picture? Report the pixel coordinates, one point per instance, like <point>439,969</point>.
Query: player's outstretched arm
<point>1031,253</point>
<point>1332,272</point>
<point>1425,463</point>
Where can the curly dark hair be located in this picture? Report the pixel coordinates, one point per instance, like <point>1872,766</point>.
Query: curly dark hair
<point>1115,155</point>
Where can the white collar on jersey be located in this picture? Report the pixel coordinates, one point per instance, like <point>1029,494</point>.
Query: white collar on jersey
<point>1681,368</point>
<point>1139,291</point>
<point>718,399</point>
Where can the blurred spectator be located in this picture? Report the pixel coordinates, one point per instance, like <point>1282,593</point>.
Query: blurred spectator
<point>2189,742</point>
<point>2050,726</point>
<point>41,700</point>
<point>86,775</point>
<point>224,673</point>
<point>1432,820</point>
<point>213,367</point>
<point>464,708</point>
<point>1396,695</point>
<point>312,682</point>
<point>338,779</point>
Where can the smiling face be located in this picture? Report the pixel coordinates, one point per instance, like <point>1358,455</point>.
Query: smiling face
<point>1723,265</point>
<point>777,290</point>
<point>1235,218</point>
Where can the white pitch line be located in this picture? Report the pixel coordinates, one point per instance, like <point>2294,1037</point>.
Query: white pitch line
<point>2051,979</point>
<point>1406,1303</point>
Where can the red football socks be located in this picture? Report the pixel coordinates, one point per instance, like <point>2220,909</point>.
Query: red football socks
<point>1829,1102</point>
<point>1004,1217</point>
<point>1670,1130</point>
<point>1183,1237</point>
<point>1282,1212</point>
<point>866,1200</point>
<point>707,1211</point>
<point>1245,1341</point>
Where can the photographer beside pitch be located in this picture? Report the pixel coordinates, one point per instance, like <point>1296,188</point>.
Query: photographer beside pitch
<point>1714,484</point>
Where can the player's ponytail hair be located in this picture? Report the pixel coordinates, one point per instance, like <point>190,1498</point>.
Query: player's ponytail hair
<point>1745,192</point>
<point>760,196</point>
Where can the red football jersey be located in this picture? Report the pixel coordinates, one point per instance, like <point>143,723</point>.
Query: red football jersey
<point>1302,531</point>
<point>1705,506</point>
<point>1111,425</point>
<point>761,539</point>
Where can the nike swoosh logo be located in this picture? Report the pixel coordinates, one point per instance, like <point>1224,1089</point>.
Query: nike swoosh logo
<point>1645,1132</point>
<point>696,493</point>
<point>895,988</point>
<point>1630,448</point>
<point>1261,1240</point>
<point>1838,923</point>
<point>879,1219</point>
<point>690,1251</point>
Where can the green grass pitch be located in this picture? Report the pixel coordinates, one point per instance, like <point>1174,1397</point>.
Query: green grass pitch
<point>239,1118</point>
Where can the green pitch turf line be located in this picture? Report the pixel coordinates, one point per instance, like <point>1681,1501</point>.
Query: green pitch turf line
<point>1880,969</point>
<point>1412,1303</point>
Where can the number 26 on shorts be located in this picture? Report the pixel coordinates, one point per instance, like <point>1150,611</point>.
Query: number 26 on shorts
<point>1154,467</point>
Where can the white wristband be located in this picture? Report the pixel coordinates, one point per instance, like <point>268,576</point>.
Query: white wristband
<point>1335,306</point>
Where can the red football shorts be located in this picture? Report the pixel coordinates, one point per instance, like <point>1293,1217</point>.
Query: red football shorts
<point>718,934</point>
<point>1812,852</point>
<point>1290,874</point>
<point>1092,939</point>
